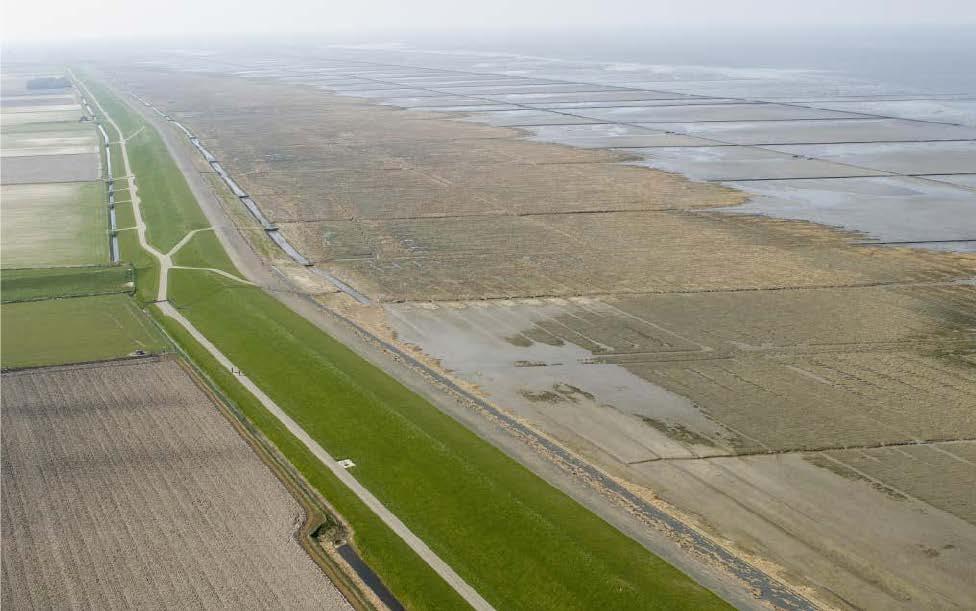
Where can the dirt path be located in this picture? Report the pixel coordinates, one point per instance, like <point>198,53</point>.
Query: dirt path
<point>469,594</point>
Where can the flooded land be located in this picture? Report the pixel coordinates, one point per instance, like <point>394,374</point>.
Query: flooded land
<point>746,295</point>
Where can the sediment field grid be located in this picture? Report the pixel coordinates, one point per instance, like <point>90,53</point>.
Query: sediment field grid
<point>780,336</point>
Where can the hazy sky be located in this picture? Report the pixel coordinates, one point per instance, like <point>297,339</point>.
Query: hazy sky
<point>47,19</point>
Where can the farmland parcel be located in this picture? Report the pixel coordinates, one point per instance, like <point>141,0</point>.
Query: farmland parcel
<point>125,487</point>
<point>54,205</point>
<point>59,331</point>
<point>54,224</point>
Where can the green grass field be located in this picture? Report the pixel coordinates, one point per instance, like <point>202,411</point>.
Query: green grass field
<point>204,250</point>
<point>146,266</point>
<point>521,543</point>
<point>54,224</point>
<point>46,283</point>
<point>59,331</point>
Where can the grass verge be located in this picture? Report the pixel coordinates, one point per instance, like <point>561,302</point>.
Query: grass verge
<point>146,266</point>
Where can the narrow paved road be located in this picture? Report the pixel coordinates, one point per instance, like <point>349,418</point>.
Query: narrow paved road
<point>464,589</point>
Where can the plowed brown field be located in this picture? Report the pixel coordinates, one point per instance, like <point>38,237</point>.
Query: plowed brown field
<point>124,487</point>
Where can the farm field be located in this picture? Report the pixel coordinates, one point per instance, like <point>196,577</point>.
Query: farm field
<point>46,142</point>
<point>31,237</point>
<point>58,331</point>
<point>63,301</point>
<point>54,208</point>
<point>20,117</point>
<point>62,139</point>
<point>624,311</point>
<point>32,284</point>
<point>128,450</point>
<point>49,168</point>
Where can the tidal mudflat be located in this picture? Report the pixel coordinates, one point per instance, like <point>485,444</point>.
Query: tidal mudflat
<point>753,357</point>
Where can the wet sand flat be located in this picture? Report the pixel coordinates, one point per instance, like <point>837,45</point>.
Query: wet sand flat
<point>889,209</point>
<point>948,110</point>
<point>718,112</point>
<point>729,163</point>
<point>791,508</point>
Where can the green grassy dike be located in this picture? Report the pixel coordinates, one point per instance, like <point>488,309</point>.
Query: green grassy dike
<point>413,582</point>
<point>517,540</point>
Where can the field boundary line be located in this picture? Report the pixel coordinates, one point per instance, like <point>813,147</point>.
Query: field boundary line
<point>82,266</point>
<point>126,291</point>
<point>821,450</point>
<point>122,360</point>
